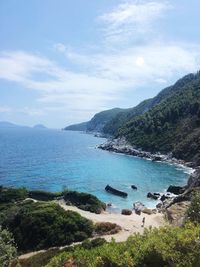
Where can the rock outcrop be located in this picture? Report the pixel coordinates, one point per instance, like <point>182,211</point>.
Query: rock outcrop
<point>175,207</point>
<point>177,190</point>
<point>138,207</point>
<point>152,195</point>
<point>126,212</point>
<point>176,213</point>
<point>120,145</point>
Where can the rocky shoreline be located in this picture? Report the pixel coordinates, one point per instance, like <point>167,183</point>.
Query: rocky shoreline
<point>120,145</point>
<point>175,201</point>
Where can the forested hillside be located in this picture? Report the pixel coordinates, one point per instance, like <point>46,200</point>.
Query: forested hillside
<point>173,124</point>
<point>169,122</point>
<point>125,116</point>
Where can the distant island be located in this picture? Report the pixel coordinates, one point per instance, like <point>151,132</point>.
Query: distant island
<point>39,126</point>
<point>10,125</point>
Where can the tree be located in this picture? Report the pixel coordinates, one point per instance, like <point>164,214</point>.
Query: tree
<point>193,212</point>
<point>8,251</point>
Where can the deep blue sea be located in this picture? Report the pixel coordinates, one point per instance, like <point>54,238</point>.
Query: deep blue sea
<point>53,159</point>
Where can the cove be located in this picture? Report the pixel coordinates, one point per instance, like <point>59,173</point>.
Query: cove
<point>54,159</point>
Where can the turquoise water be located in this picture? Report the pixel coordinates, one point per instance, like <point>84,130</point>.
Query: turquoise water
<point>53,159</point>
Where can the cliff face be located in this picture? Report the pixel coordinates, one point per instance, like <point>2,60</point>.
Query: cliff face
<point>175,209</point>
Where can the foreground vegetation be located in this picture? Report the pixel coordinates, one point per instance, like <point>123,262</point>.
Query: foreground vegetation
<point>168,246</point>
<point>42,225</point>
<point>8,250</point>
<point>45,224</point>
<point>43,258</point>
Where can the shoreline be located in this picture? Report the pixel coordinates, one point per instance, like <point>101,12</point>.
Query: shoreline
<point>121,146</point>
<point>130,224</point>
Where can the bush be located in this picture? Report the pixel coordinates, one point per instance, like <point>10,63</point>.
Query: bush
<point>42,225</point>
<point>89,244</point>
<point>8,250</point>
<point>12,194</point>
<point>193,212</point>
<point>41,259</point>
<point>43,195</point>
<point>106,228</point>
<point>84,201</point>
<point>164,247</point>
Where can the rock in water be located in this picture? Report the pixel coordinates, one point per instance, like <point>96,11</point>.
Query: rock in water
<point>177,190</point>
<point>150,195</point>
<point>115,191</point>
<point>134,187</point>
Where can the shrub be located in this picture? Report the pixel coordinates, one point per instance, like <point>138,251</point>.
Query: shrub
<point>42,225</point>
<point>43,195</point>
<point>106,228</point>
<point>164,247</point>
<point>8,250</point>
<point>12,194</point>
<point>193,212</point>
<point>89,244</point>
<point>84,201</point>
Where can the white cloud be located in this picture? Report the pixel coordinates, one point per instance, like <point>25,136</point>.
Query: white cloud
<point>132,18</point>
<point>5,109</point>
<point>57,85</point>
<point>103,79</point>
<point>138,65</point>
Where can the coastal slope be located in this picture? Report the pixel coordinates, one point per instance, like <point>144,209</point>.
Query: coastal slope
<point>173,125</point>
<point>169,122</point>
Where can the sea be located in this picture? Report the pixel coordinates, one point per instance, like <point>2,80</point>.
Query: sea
<point>54,160</point>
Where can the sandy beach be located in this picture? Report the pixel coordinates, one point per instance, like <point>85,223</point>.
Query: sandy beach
<point>130,224</point>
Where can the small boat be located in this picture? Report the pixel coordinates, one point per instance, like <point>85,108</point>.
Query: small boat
<point>115,191</point>
<point>134,187</point>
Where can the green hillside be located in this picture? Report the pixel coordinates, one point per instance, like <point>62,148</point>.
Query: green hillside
<point>125,116</point>
<point>169,122</point>
<point>173,124</point>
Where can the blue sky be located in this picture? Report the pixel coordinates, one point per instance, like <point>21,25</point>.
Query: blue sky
<point>63,61</point>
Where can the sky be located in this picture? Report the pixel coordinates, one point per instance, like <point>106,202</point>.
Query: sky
<point>62,61</point>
